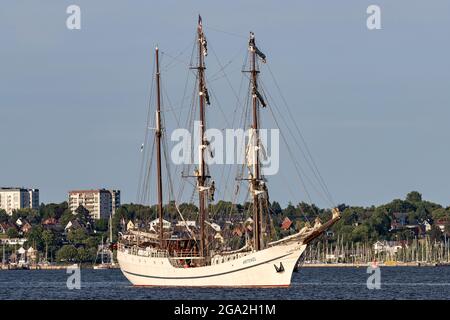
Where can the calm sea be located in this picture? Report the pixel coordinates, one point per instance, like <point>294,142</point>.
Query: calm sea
<point>308,283</point>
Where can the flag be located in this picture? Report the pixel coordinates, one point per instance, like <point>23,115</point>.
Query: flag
<point>200,26</point>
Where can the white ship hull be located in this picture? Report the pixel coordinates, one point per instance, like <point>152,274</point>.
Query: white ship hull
<point>270,267</point>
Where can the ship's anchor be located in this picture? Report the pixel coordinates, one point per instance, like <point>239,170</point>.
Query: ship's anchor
<point>280,268</point>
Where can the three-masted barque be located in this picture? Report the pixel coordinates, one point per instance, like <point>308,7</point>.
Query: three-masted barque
<point>164,260</point>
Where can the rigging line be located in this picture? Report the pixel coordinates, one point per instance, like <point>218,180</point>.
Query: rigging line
<point>169,174</point>
<point>176,58</point>
<point>235,195</point>
<point>188,122</point>
<point>219,105</point>
<point>240,169</point>
<point>191,106</point>
<point>290,132</point>
<point>236,95</point>
<point>147,124</point>
<point>226,32</point>
<point>293,195</point>
<point>299,132</point>
<point>149,161</point>
<point>296,165</point>
<point>241,126</point>
<point>145,192</point>
<point>171,110</point>
<point>223,67</point>
<point>165,149</point>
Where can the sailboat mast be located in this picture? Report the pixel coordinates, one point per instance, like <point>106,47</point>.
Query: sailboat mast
<point>201,177</point>
<point>255,144</point>
<point>110,229</point>
<point>158,150</point>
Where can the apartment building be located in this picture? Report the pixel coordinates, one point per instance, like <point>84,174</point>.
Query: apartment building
<point>100,203</point>
<point>18,198</point>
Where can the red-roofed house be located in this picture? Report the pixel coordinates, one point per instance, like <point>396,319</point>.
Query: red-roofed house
<point>286,224</point>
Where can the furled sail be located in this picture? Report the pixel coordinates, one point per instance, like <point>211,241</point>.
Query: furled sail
<point>202,39</point>
<point>254,47</point>
<point>251,150</point>
<point>260,98</point>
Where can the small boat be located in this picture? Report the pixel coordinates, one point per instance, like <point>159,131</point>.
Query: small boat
<point>105,250</point>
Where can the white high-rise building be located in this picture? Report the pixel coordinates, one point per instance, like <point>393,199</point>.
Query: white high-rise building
<point>18,198</point>
<point>100,203</point>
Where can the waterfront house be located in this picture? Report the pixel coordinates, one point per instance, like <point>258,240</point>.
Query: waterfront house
<point>52,224</point>
<point>166,224</point>
<point>77,224</point>
<point>390,247</point>
<point>286,224</point>
<point>441,223</point>
<point>186,223</point>
<point>49,222</point>
<point>13,241</point>
<point>378,246</point>
<point>427,225</point>
<point>4,226</point>
<point>399,220</point>
<point>130,225</point>
<point>19,222</point>
<point>25,228</point>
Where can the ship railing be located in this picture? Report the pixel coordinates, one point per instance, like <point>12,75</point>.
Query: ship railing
<point>147,252</point>
<point>185,254</point>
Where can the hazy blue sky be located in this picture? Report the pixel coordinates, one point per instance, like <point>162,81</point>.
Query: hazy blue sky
<point>374,106</point>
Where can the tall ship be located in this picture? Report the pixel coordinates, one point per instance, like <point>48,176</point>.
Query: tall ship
<point>158,255</point>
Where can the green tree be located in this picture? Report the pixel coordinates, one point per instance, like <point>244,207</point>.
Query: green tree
<point>101,224</point>
<point>67,253</point>
<point>422,213</point>
<point>77,236</point>
<point>276,208</point>
<point>414,196</point>
<point>66,217</point>
<point>440,213</point>
<point>3,216</point>
<point>86,255</point>
<point>398,205</point>
<point>12,233</point>
<point>34,237</point>
<point>360,233</point>
<point>48,238</point>
<point>435,234</point>
<point>53,210</point>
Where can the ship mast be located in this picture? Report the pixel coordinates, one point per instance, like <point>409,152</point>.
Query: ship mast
<point>256,174</point>
<point>201,176</point>
<point>158,134</point>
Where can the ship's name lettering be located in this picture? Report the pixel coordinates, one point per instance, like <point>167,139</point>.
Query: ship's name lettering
<point>294,249</point>
<point>249,260</point>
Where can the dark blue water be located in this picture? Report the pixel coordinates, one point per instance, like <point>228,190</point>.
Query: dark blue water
<point>309,283</point>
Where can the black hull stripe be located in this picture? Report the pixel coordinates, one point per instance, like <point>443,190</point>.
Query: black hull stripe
<point>210,275</point>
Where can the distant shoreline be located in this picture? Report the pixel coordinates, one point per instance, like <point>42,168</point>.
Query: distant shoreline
<point>313,265</point>
<point>361,265</point>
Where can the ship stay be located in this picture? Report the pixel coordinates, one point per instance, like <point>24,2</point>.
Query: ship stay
<point>158,257</point>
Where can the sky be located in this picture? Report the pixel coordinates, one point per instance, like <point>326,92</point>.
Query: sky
<point>373,105</point>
